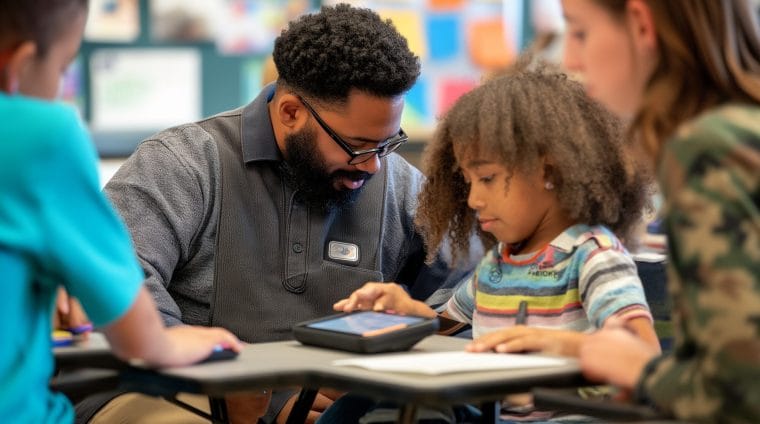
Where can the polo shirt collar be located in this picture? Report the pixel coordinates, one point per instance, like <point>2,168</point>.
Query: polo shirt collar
<point>566,241</point>
<point>259,143</point>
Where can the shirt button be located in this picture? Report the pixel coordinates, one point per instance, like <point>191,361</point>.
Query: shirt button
<point>297,247</point>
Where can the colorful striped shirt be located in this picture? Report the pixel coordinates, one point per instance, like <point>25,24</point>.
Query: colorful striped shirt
<point>576,282</point>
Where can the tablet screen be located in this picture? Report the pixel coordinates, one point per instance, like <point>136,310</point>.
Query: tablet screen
<point>367,323</point>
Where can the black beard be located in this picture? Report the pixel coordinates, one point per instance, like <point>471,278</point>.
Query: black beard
<point>304,171</point>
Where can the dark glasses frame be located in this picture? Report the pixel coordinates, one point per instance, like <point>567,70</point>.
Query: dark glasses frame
<point>383,149</point>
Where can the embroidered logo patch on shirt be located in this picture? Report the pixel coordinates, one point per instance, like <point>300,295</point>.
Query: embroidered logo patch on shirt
<point>346,252</point>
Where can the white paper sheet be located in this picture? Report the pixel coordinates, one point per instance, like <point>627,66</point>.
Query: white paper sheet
<point>144,89</point>
<point>450,362</point>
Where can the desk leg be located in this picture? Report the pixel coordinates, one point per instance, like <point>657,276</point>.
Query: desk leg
<point>217,406</point>
<point>218,410</point>
<point>491,412</point>
<point>407,414</point>
<point>301,408</point>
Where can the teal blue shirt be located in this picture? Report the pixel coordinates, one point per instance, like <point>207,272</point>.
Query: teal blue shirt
<point>56,229</point>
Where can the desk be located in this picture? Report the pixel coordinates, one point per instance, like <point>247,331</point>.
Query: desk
<point>95,352</point>
<point>286,364</point>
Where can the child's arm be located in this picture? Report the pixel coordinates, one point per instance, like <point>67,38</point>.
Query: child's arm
<point>640,326</point>
<point>559,342</point>
<point>384,296</point>
<point>140,334</point>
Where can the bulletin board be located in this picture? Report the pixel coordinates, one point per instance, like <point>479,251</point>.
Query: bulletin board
<point>145,65</point>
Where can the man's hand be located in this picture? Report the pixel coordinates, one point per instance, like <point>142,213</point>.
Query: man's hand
<point>381,297</point>
<point>244,408</point>
<point>325,398</point>
<point>521,339</point>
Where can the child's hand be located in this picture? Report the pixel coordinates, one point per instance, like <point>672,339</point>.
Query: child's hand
<point>381,297</point>
<point>69,313</point>
<point>521,339</point>
<point>191,344</point>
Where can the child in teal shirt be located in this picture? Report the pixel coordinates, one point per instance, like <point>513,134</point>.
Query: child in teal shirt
<point>56,228</point>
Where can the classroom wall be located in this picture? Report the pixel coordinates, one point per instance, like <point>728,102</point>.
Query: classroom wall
<point>149,64</point>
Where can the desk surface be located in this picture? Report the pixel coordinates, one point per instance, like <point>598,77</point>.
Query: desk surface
<point>284,364</point>
<point>94,352</point>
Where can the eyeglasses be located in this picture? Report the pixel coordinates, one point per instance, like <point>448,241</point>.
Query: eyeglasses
<point>384,148</point>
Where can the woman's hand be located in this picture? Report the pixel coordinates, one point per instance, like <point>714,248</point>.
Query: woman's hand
<point>382,297</point>
<point>616,356</point>
<point>521,339</point>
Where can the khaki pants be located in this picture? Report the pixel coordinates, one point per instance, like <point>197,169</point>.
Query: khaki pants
<point>134,408</point>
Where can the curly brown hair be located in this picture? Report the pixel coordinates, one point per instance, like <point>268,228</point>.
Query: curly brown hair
<point>522,118</point>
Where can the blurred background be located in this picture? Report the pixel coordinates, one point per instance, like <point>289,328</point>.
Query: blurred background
<point>149,64</point>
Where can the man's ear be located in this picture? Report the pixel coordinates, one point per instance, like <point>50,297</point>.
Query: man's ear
<point>290,112</point>
<point>641,25</point>
<point>13,70</point>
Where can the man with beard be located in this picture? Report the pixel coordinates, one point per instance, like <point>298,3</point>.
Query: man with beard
<point>264,216</point>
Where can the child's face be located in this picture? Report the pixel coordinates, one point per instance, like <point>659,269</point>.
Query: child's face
<point>517,210</point>
<point>612,55</point>
<point>42,77</point>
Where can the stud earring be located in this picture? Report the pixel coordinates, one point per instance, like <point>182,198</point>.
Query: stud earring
<point>549,185</point>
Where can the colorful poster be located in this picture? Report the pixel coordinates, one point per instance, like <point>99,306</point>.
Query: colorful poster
<point>445,4</point>
<point>409,23</point>
<point>71,86</point>
<point>444,35</point>
<point>251,26</point>
<point>488,44</point>
<point>113,21</point>
<point>417,117</point>
<point>144,89</point>
<point>182,20</point>
<point>449,90</point>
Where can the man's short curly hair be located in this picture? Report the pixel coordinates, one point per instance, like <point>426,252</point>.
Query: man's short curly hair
<point>327,54</point>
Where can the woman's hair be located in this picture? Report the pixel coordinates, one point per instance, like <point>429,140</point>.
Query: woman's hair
<point>40,21</point>
<point>520,119</point>
<point>325,55</point>
<point>709,54</point>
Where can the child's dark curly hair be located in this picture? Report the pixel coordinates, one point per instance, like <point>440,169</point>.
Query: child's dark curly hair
<point>326,54</point>
<point>520,118</point>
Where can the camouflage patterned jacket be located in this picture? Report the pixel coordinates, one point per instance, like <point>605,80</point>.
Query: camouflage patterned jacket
<point>710,177</point>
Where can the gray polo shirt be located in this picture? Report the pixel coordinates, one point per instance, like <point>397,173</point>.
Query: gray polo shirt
<point>168,193</point>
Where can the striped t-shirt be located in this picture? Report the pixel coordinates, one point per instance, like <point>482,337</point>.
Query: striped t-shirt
<point>576,282</point>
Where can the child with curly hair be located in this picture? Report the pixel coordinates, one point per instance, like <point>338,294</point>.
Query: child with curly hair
<point>543,175</point>
<point>57,229</point>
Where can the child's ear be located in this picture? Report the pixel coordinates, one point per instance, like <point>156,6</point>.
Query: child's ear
<point>13,70</point>
<point>548,174</point>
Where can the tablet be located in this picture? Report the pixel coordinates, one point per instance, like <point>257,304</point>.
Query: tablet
<point>365,331</point>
